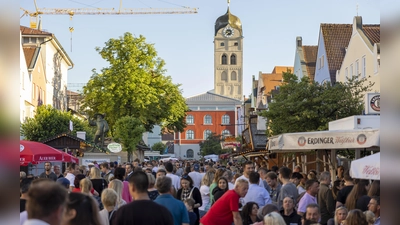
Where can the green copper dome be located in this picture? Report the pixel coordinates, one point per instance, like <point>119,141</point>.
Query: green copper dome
<point>226,19</point>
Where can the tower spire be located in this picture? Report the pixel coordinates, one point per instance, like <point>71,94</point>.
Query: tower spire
<point>229,1</point>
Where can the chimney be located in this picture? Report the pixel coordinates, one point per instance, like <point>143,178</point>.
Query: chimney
<point>81,135</point>
<point>299,42</point>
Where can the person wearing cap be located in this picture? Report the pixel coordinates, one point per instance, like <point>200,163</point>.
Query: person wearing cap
<point>64,182</point>
<point>196,175</point>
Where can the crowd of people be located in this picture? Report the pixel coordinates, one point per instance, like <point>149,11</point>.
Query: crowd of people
<point>195,193</point>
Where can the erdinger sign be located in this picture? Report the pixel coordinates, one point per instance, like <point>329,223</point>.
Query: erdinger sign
<point>372,103</point>
<point>343,139</point>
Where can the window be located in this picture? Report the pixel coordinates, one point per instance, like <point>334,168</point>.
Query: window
<point>189,135</point>
<point>189,153</point>
<point>322,61</point>
<point>189,119</point>
<point>236,44</point>
<point>207,133</point>
<point>224,60</point>
<point>363,65</point>
<point>226,133</point>
<point>357,68</point>
<point>222,44</point>
<point>225,119</point>
<point>207,119</point>
<point>224,76</point>
<point>351,70</point>
<point>233,59</point>
<point>233,75</point>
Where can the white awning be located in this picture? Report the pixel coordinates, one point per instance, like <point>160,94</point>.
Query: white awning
<point>367,167</point>
<point>340,139</point>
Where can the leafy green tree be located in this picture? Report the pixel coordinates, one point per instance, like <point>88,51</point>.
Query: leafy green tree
<point>212,145</point>
<point>128,132</point>
<point>49,122</point>
<point>305,105</point>
<point>159,146</point>
<point>134,85</point>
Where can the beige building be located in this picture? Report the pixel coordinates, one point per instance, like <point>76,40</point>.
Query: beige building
<point>228,56</point>
<point>362,57</point>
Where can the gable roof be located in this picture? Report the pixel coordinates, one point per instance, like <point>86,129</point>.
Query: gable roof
<point>211,98</point>
<point>336,39</point>
<point>373,32</point>
<point>31,54</point>
<point>29,31</point>
<point>310,58</point>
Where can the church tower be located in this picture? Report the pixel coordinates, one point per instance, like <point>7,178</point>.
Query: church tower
<point>228,56</point>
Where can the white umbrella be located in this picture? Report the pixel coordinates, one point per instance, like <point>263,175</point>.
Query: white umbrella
<point>367,167</point>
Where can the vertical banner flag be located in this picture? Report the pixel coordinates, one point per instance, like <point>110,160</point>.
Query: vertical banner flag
<point>71,125</point>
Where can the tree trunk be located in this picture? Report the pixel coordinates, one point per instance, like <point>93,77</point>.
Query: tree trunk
<point>129,156</point>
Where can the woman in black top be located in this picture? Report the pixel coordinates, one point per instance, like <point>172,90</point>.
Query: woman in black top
<point>222,187</point>
<point>187,191</point>
<point>98,183</point>
<point>249,213</point>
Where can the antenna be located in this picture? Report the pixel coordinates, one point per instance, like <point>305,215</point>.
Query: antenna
<point>357,9</point>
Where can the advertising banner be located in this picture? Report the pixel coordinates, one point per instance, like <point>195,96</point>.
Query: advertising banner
<point>352,139</point>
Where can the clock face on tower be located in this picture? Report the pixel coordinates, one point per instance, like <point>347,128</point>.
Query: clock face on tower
<point>228,31</point>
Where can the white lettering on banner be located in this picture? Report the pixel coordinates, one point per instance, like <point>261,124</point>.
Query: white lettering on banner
<point>343,140</point>
<point>371,170</point>
<point>315,141</point>
<point>48,158</point>
<point>21,159</point>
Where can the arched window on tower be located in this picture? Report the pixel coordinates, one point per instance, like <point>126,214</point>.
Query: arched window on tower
<point>224,60</point>
<point>233,75</point>
<point>224,76</point>
<point>233,59</point>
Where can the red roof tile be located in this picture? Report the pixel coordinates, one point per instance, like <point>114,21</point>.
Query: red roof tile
<point>373,32</point>
<point>310,56</point>
<point>29,31</point>
<point>336,39</point>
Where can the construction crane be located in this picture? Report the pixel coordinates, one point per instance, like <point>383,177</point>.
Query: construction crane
<point>100,11</point>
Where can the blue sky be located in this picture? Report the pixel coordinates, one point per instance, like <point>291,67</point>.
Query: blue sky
<point>185,41</point>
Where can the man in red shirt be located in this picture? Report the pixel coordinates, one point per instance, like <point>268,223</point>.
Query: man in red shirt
<point>226,209</point>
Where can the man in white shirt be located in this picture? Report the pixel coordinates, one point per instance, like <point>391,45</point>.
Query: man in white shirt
<point>176,181</point>
<point>256,193</point>
<point>196,175</point>
<point>248,168</point>
<point>73,170</point>
<point>46,203</point>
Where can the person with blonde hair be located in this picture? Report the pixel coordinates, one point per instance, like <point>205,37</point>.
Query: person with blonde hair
<point>206,181</point>
<point>99,183</point>
<point>153,193</point>
<point>86,186</point>
<point>274,218</point>
<point>109,200</point>
<point>117,186</point>
<point>370,217</point>
<point>340,216</point>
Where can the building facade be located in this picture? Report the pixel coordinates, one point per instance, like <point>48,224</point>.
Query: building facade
<point>304,60</point>
<point>209,113</point>
<point>228,56</point>
<point>332,42</point>
<point>47,64</point>
<point>362,57</point>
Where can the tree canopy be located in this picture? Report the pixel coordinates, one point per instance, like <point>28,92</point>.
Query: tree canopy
<point>128,132</point>
<point>134,85</point>
<point>159,147</point>
<point>49,122</point>
<point>212,145</point>
<point>304,105</point>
